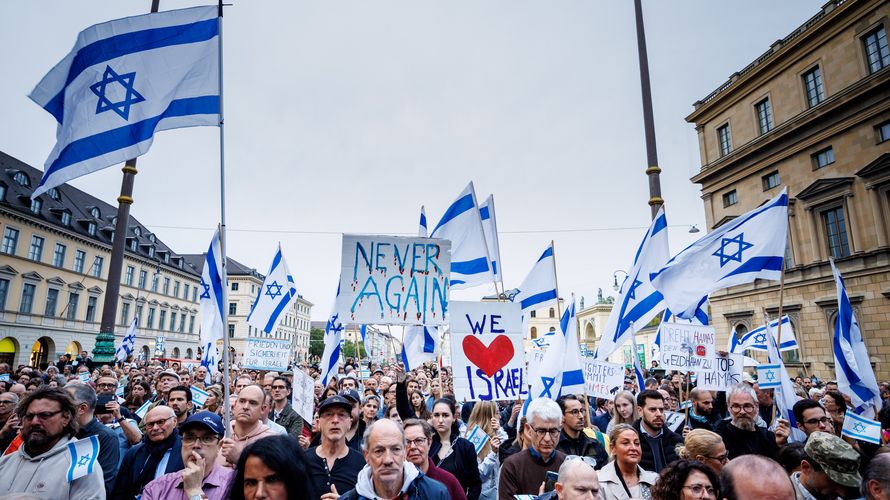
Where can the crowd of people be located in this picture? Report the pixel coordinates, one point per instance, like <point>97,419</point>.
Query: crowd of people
<point>379,432</point>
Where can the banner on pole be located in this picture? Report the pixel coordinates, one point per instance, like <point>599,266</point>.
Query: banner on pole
<point>303,395</point>
<point>392,280</point>
<point>687,347</point>
<point>602,379</point>
<point>721,372</point>
<point>487,351</point>
<point>267,354</point>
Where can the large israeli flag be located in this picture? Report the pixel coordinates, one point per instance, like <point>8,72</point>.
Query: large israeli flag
<point>462,225</point>
<point>83,454</point>
<point>277,293</point>
<point>638,300</point>
<point>333,334</point>
<point>852,366</point>
<point>785,397</point>
<point>123,81</point>
<point>750,246</point>
<point>210,302</point>
<point>419,342</point>
<point>490,227</point>
<point>538,289</point>
<point>560,371</point>
<point>128,343</point>
<point>756,339</point>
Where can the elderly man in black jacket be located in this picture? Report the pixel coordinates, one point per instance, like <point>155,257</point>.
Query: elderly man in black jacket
<point>159,453</point>
<point>657,441</point>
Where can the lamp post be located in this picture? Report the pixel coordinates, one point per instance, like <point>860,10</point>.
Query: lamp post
<point>615,285</point>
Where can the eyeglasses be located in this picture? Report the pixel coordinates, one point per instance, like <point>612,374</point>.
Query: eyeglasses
<point>191,438</point>
<point>748,407</point>
<point>720,458</point>
<point>415,442</point>
<point>698,489</point>
<point>587,460</point>
<point>546,432</point>
<point>43,415</point>
<point>4,402</point>
<point>817,421</point>
<point>157,423</point>
<point>577,412</point>
<point>106,386</point>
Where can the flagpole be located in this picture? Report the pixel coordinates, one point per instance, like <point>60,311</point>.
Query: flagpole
<point>555,279</point>
<point>222,235</point>
<point>653,170</point>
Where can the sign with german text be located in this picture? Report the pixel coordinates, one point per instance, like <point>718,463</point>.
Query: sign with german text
<point>267,354</point>
<point>687,347</point>
<point>721,372</point>
<point>602,379</point>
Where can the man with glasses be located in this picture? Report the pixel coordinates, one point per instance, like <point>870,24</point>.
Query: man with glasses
<point>573,440</point>
<point>812,417</point>
<point>418,436</point>
<point>334,466</point>
<point>202,477</point>
<point>159,453</point>
<point>282,412</point>
<point>740,433</point>
<point>39,467</point>
<point>524,472</point>
<point>109,449</point>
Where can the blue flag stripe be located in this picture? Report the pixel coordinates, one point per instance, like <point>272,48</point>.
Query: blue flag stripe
<point>537,299</point>
<point>119,138</point>
<point>574,377</point>
<point>659,225</point>
<point>128,43</point>
<point>483,213</point>
<point>639,309</point>
<point>757,264</point>
<point>460,206</point>
<point>273,320</point>
<point>215,279</point>
<point>547,253</point>
<point>474,266</point>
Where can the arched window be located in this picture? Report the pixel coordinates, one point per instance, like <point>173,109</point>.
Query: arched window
<point>740,330</point>
<point>22,178</point>
<point>552,312</point>
<point>552,328</point>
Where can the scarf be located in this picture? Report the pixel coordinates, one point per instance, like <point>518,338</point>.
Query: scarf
<point>156,451</point>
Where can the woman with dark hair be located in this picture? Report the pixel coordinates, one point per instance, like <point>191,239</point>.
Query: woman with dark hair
<point>272,468</point>
<point>418,404</point>
<point>836,407</point>
<point>686,480</point>
<point>451,452</point>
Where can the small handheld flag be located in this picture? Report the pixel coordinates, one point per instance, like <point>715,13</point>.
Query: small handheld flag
<point>129,341</point>
<point>199,396</point>
<point>478,437</point>
<point>861,428</point>
<point>84,453</point>
<point>210,302</point>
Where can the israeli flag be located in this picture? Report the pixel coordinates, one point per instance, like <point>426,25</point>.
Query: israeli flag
<point>852,366</point>
<point>638,300</point>
<point>638,370</point>
<point>364,331</point>
<point>199,396</point>
<point>277,293</point>
<point>123,81</point>
<point>142,410</point>
<point>128,343</point>
<point>561,370</point>
<point>210,302</point>
<point>84,453</point>
<point>462,225</point>
<point>785,397</point>
<point>490,227</point>
<point>419,342</point>
<point>333,337</point>
<point>749,247</point>
<point>756,339</point>
<point>863,429</point>
<point>538,289</point>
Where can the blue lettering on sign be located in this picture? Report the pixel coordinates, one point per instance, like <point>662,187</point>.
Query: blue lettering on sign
<point>505,385</point>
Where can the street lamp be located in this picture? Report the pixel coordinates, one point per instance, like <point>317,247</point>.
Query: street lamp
<point>694,229</point>
<point>615,285</point>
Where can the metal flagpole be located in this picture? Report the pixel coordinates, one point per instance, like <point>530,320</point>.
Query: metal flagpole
<point>652,170</point>
<point>222,235</point>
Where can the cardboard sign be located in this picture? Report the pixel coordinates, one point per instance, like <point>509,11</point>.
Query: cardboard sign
<point>393,280</point>
<point>199,396</point>
<point>478,437</point>
<point>687,347</point>
<point>303,395</point>
<point>602,379</point>
<point>487,351</point>
<point>267,354</point>
<point>721,373</point>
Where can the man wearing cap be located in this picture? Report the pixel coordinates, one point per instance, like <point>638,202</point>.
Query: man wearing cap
<point>202,477</point>
<point>247,427</point>
<point>356,432</point>
<point>829,469</point>
<point>333,466</point>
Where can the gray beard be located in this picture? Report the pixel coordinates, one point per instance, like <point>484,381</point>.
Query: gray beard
<point>745,425</point>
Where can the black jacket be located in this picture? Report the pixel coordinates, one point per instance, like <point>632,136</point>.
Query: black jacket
<point>461,462</point>
<point>127,484</point>
<point>584,446</point>
<point>109,449</point>
<point>740,442</point>
<point>667,447</point>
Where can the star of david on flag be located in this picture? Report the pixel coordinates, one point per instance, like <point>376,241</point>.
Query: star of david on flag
<point>330,358</point>
<point>767,377</point>
<point>756,339</point>
<point>83,453</point>
<point>211,306</point>
<point>560,371</point>
<point>276,295</point>
<point>746,248</point>
<point>128,343</point>
<point>861,428</point>
<point>104,88</point>
<point>784,396</point>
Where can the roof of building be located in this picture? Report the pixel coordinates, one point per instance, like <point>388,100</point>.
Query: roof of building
<point>20,179</point>
<point>233,267</point>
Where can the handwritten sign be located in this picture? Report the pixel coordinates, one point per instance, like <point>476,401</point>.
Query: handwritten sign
<point>478,437</point>
<point>603,379</point>
<point>199,396</point>
<point>394,280</point>
<point>267,354</point>
<point>303,395</point>
<point>487,351</point>
<point>721,373</point>
<point>687,347</point>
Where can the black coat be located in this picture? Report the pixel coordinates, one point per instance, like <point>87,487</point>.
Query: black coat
<point>668,447</point>
<point>461,463</point>
<point>584,446</point>
<point>127,484</point>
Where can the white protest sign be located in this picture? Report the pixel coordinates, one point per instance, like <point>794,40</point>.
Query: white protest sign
<point>487,351</point>
<point>267,354</point>
<point>393,280</point>
<point>303,396</point>
<point>603,379</point>
<point>674,419</point>
<point>199,396</point>
<point>686,347</point>
<point>721,373</point>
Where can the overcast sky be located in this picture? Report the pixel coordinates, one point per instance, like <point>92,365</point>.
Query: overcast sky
<point>347,116</point>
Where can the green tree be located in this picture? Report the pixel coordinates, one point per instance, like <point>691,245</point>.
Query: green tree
<point>316,343</point>
<point>349,350</point>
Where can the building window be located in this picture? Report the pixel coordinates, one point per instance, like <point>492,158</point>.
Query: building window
<point>181,322</point>
<point>823,158</point>
<point>52,299</point>
<point>137,231</point>
<point>134,245</point>
<point>150,320</point>
<point>66,218</point>
<point>812,82</point>
<point>128,276</point>
<point>161,318</point>
<point>234,287</point>
<point>195,294</point>
<point>730,198</point>
<point>876,50</point>
<point>172,321</point>
<point>4,292</point>
<point>36,206</point>
<point>22,179</point>
<point>836,231</point>
<point>883,131</point>
<point>143,276</point>
<point>152,238</point>
<point>770,180</point>
<point>154,283</point>
<point>166,288</point>
<point>534,332</point>
<point>92,302</point>
<point>125,313</point>
<point>97,266</point>
<point>138,317</point>
<point>192,323</point>
<point>151,252</point>
<point>552,312</point>
<point>59,255</point>
<point>233,308</point>
<point>35,253</point>
<point>10,240</point>
<point>231,330</point>
<point>176,289</point>
<point>79,258</point>
<point>27,298</point>
<point>71,310</point>
<point>724,138</point>
<point>95,212</point>
<point>2,192</point>
<point>185,291</point>
<point>764,116</point>
<point>91,229</point>
<point>54,194</point>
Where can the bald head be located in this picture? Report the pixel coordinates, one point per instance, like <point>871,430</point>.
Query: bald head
<point>577,479</point>
<point>755,477</point>
<point>159,412</point>
<point>159,422</point>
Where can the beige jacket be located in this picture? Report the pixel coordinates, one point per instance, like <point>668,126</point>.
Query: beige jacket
<point>45,475</point>
<point>259,431</point>
<point>611,488</point>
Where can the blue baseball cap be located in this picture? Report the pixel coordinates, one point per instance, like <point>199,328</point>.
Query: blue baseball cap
<point>209,420</point>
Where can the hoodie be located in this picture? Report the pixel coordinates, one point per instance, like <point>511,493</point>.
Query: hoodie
<point>414,486</point>
<point>45,475</point>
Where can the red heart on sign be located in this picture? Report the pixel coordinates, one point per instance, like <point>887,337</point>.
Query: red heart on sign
<point>489,359</point>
